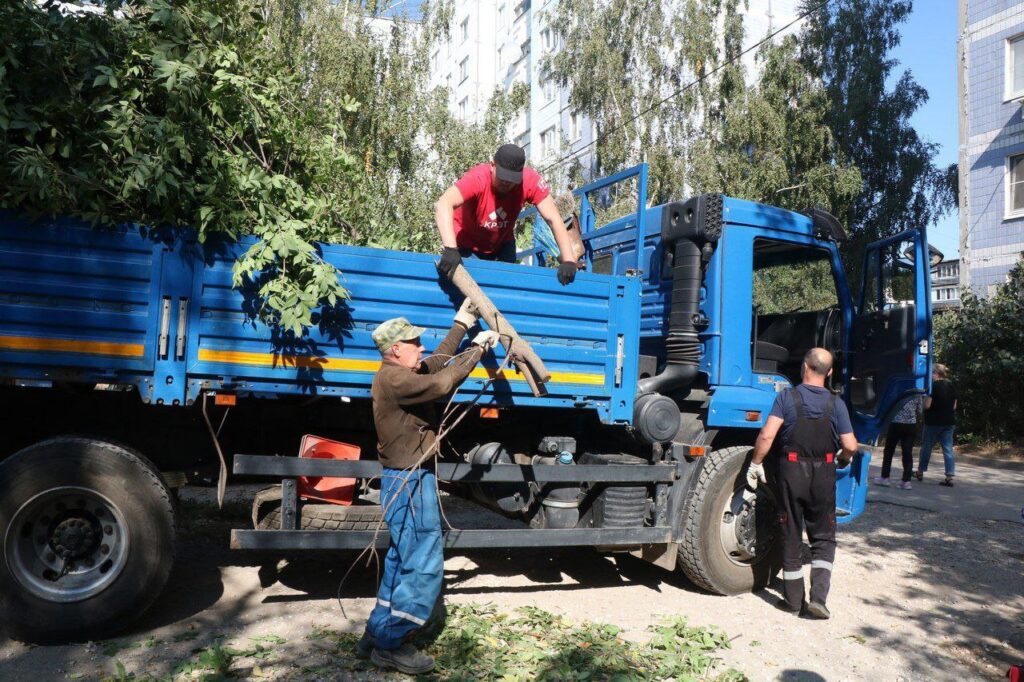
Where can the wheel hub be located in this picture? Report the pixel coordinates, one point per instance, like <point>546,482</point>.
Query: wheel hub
<point>75,538</point>
<point>66,544</point>
<point>746,531</point>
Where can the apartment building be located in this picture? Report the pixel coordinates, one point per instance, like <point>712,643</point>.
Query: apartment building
<point>946,285</point>
<point>991,83</point>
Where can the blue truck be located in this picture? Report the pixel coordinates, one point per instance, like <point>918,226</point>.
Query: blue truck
<point>122,349</point>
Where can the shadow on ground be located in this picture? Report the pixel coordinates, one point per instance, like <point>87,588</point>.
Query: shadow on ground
<point>973,566</point>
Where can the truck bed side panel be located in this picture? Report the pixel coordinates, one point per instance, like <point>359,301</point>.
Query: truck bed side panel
<point>76,302</point>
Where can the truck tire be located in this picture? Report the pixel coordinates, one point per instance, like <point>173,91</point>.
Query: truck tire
<point>707,553</point>
<point>88,538</point>
<point>327,517</point>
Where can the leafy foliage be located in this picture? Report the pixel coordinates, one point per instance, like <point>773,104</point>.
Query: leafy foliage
<point>296,121</point>
<point>847,45</point>
<point>619,59</point>
<point>788,287</point>
<point>481,643</point>
<point>775,145</point>
<point>631,71</point>
<point>174,114</point>
<point>983,345</point>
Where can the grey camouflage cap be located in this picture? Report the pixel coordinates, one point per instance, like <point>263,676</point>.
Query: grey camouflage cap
<point>390,332</point>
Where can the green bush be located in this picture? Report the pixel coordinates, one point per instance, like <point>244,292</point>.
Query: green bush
<point>983,345</point>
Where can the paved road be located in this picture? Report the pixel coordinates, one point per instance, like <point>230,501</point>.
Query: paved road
<point>979,492</point>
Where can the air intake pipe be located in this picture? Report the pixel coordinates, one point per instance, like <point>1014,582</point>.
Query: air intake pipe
<point>685,228</point>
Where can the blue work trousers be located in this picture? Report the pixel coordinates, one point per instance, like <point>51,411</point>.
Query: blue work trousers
<point>414,564</point>
<point>944,436</point>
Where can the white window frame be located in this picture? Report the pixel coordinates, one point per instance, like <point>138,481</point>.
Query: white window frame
<point>1009,94</point>
<point>549,142</point>
<point>464,29</point>
<point>549,91</point>
<point>547,40</point>
<point>575,130</point>
<point>1008,211</point>
<point>464,108</point>
<point>463,70</point>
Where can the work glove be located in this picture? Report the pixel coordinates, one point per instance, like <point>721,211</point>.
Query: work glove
<point>467,314</point>
<point>450,259</point>
<point>755,475</point>
<point>486,339</point>
<point>567,272</point>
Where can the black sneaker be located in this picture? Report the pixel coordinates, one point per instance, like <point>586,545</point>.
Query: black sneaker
<point>365,646</point>
<point>816,611</point>
<point>948,482</point>
<point>406,658</point>
<point>783,605</point>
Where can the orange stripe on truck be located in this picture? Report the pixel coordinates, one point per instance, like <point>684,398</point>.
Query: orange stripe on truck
<point>38,343</point>
<point>279,361</point>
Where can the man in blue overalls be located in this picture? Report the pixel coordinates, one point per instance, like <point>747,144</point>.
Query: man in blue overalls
<point>813,423</point>
<point>405,392</point>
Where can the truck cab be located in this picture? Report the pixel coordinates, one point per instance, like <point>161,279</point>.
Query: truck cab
<point>774,284</point>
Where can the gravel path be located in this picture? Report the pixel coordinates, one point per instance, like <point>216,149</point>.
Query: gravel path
<point>928,584</point>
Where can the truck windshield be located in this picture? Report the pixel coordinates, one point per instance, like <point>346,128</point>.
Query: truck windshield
<point>795,306</point>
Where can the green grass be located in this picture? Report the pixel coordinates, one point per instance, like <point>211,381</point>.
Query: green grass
<point>480,642</point>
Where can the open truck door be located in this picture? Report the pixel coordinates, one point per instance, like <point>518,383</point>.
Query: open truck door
<point>890,338</point>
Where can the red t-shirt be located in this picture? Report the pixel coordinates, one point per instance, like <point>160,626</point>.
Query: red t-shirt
<point>485,222</point>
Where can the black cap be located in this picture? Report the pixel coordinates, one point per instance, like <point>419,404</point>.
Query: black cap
<point>508,163</point>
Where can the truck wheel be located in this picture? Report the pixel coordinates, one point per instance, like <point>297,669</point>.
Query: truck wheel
<point>88,538</point>
<point>728,547</point>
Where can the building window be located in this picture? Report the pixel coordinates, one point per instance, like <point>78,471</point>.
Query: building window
<point>463,70</point>
<point>1015,186</point>
<point>548,142</point>
<point>464,29</point>
<point>549,91</point>
<point>501,16</point>
<point>574,126</point>
<point>1015,68</point>
<point>547,40</point>
<point>523,140</point>
<point>464,108</point>
<point>520,8</point>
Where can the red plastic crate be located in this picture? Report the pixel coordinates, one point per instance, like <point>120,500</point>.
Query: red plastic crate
<point>327,488</point>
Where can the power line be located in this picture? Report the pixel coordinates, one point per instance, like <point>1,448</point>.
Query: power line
<point>768,38</point>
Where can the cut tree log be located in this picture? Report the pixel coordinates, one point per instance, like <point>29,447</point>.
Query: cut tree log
<point>527,362</point>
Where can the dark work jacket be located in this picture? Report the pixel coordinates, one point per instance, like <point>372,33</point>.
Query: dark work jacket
<point>405,400</point>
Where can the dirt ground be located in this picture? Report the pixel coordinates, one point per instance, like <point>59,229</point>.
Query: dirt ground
<point>929,584</point>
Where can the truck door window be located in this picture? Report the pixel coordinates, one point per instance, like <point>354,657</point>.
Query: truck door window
<point>884,330</point>
<point>795,306</point>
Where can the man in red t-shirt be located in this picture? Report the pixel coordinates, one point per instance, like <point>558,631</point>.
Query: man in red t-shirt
<point>477,215</point>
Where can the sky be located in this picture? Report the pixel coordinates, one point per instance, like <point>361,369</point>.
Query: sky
<point>928,49</point>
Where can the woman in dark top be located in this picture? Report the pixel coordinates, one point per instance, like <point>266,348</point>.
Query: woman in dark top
<point>939,423</point>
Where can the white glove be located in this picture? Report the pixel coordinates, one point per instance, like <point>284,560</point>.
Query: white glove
<point>755,475</point>
<point>468,314</point>
<point>486,339</point>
